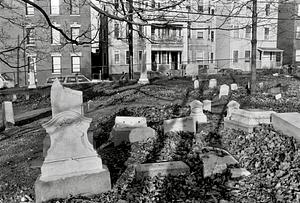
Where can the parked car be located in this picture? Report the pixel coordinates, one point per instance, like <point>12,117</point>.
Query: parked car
<point>6,81</point>
<point>69,79</point>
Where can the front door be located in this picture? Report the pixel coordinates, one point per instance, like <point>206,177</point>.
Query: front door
<point>174,61</point>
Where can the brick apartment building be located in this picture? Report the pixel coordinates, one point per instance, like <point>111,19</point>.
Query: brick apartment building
<point>172,40</point>
<point>43,49</point>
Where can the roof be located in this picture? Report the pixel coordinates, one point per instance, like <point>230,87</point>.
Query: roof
<point>270,49</point>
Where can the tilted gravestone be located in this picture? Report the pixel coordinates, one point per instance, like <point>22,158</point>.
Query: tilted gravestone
<point>71,166</point>
<point>212,83</point>
<point>224,90</point>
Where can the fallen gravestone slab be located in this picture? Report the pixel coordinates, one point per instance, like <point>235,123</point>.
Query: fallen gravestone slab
<point>141,134</point>
<point>163,169</point>
<point>288,123</point>
<point>239,172</point>
<point>123,126</point>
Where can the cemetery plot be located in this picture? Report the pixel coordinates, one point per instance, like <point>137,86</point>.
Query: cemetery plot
<point>266,158</point>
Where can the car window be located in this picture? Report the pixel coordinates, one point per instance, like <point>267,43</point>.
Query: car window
<point>71,79</point>
<point>51,80</point>
<point>82,79</point>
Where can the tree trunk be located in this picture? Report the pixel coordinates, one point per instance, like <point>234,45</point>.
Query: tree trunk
<point>253,46</point>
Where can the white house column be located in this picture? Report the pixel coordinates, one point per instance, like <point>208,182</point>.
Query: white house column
<point>148,49</point>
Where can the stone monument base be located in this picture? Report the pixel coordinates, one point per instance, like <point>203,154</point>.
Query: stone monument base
<point>238,125</point>
<point>143,81</point>
<point>85,184</point>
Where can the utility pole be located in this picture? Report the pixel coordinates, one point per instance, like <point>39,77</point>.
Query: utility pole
<point>130,38</point>
<point>253,47</point>
<point>18,62</point>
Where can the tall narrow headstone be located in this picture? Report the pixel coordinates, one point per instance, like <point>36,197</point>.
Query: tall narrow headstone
<point>231,106</point>
<point>224,90</point>
<point>196,84</point>
<point>31,80</point>
<point>143,77</point>
<point>14,98</point>
<point>7,114</point>
<point>71,166</point>
<point>197,112</point>
<point>233,86</point>
<point>207,105</point>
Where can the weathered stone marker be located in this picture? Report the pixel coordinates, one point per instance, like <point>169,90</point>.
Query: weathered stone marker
<point>14,98</point>
<point>143,77</point>
<point>207,105</point>
<point>123,126</point>
<point>71,166</point>
<point>212,83</point>
<point>224,90</point>
<point>196,84</point>
<point>141,134</point>
<point>234,86</point>
<point>8,114</point>
<point>163,169</point>
<point>197,112</point>
<point>231,106</point>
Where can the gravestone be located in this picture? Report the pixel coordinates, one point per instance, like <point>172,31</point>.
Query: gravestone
<point>123,126</point>
<point>196,84</point>
<point>27,96</point>
<point>234,86</point>
<point>143,77</point>
<point>59,96</point>
<point>261,85</point>
<point>197,112</point>
<point>288,123</point>
<point>31,80</point>
<point>179,124</point>
<point>224,90</point>
<point>212,83</point>
<point>162,169</point>
<point>71,166</point>
<point>207,105</point>
<point>231,106</point>
<point>7,114</point>
<point>194,77</point>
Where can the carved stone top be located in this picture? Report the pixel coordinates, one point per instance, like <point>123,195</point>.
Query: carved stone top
<point>64,99</point>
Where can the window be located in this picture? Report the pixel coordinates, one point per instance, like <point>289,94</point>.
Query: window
<point>212,11</point>
<point>200,35</point>
<point>56,67</point>
<point>248,32</point>
<point>74,4</point>
<point>298,55</point>
<point>267,32</point>
<point>298,32</point>
<point>55,36</point>
<point>199,55</point>
<point>235,56</point>
<point>29,9</point>
<point>212,36</point>
<point>116,2</point>
<point>127,57</point>
<point>117,30</point>
<point>236,32</point>
<point>117,57</point>
<point>208,33</point>
<point>140,56</point>
<point>200,8</point>
<point>211,57</point>
<point>141,31</point>
<point>247,56</point>
<point>75,64</point>
<point>153,4</point>
<point>30,36</point>
<point>267,9</point>
<point>54,7</point>
<point>75,33</point>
